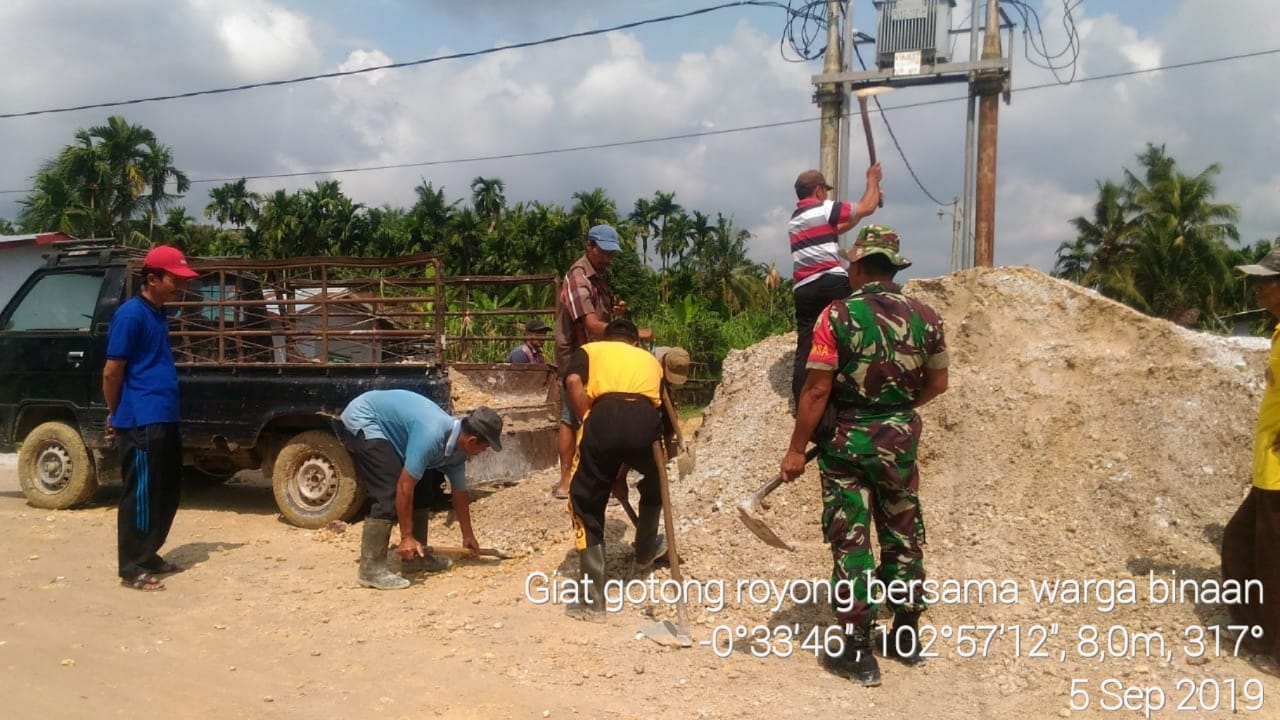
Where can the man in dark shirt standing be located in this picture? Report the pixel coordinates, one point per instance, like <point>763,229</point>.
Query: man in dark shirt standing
<point>140,386</point>
<point>584,307</point>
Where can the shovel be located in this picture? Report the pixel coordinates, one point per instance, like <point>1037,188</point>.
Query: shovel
<point>749,509</point>
<point>461,552</point>
<point>673,555</point>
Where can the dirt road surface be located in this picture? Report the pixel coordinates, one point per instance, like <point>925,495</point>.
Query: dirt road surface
<point>266,621</point>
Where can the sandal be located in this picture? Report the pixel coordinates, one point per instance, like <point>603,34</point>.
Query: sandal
<point>160,566</point>
<point>146,582</point>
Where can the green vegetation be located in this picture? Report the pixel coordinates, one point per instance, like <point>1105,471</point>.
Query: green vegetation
<point>683,273</point>
<point>1160,243</point>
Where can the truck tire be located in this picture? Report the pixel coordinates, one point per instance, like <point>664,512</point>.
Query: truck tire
<point>314,480</point>
<point>54,468</point>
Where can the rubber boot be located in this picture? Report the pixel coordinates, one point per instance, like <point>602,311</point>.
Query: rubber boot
<point>649,544</point>
<point>373,557</point>
<point>430,564</point>
<point>591,565</point>
<point>903,642</point>
<point>856,661</point>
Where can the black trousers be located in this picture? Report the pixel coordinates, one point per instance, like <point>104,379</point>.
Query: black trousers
<point>378,466</point>
<point>151,467</point>
<point>1251,551</point>
<point>620,429</point>
<point>811,299</point>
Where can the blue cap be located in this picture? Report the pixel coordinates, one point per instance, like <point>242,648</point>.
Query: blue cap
<point>605,238</point>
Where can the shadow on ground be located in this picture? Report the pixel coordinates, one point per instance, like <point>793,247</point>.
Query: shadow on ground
<point>192,554</point>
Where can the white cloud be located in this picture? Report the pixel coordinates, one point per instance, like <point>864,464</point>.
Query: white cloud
<point>262,40</point>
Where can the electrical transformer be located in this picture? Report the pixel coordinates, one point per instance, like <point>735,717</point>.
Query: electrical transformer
<point>911,26</point>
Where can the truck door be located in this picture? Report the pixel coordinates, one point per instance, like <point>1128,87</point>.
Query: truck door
<point>47,336</point>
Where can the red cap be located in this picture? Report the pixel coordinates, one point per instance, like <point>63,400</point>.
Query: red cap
<point>169,259</point>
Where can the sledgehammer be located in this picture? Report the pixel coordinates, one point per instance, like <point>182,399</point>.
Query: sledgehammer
<point>749,509</point>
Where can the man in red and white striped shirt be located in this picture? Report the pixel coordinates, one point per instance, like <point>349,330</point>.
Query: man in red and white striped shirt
<point>819,275</point>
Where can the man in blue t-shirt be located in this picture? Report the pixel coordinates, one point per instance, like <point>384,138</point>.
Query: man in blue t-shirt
<point>404,447</point>
<point>140,386</point>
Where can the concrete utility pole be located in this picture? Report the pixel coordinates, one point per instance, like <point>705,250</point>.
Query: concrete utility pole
<point>842,177</point>
<point>970,155</point>
<point>830,99</point>
<point>989,86</point>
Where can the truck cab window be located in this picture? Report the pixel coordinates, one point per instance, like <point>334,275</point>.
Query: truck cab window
<point>58,301</point>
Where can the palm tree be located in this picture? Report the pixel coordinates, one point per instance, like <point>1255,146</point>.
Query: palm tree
<point>429,217</point>
<point>487,198</point>
<point>178,227</point>
<point>664,207</point>
<point>643,219</point>
<point>233,203</point>
<point>1158,243</point>
<point>1074,259</point>
<point>732,281</point>
<point>329,219</point>
<point>389,233</point>
<point>593,208</point>
<point>465,235</point>
<point>54,205</point>
<point>124,149</point>
<point>1102,242</point>
<point>157,168</point>
<point>279,230</point>
<point>103,180</point>
<point>1184,264</point>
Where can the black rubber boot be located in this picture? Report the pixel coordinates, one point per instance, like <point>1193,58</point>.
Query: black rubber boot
<point>591,566</point>
<point>856,661</point>
<point>373,557</point>
<point>649,544</point>
<point>429,564</point>
<point>903,643</point>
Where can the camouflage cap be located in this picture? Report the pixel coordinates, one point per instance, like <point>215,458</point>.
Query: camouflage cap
<point>878,240</point>
<point>1269,265</point>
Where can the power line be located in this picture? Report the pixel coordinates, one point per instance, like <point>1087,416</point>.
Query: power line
<point>707,133</point>
<point>396,66</point>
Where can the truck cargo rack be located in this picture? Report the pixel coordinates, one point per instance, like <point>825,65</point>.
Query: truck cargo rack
<point>312,312</point>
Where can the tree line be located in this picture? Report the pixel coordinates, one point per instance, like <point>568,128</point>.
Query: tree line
<point>1160,242</point>
<point>685,272</point>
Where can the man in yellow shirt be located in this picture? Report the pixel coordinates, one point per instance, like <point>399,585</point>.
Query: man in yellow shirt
<point>1251,540</point>
<point>615,388</point>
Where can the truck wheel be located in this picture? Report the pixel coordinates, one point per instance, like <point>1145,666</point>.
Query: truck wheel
<point>54,469</point>
<point>315,481</point>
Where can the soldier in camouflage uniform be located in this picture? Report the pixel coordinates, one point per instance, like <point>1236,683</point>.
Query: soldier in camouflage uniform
<point>877,355</point>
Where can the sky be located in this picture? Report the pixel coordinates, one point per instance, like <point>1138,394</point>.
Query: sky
<point>717,73</point>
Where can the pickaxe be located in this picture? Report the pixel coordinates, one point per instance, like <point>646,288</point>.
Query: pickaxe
<point>862,95</point>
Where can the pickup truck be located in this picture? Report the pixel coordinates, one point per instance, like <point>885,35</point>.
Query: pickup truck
<point>268,355</point>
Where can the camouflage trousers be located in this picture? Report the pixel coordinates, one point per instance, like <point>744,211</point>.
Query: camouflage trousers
<point>854,492</point>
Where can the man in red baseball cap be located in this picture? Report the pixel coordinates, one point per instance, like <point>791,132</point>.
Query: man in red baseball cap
<point>140,386</point>
<point>169,259</point>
